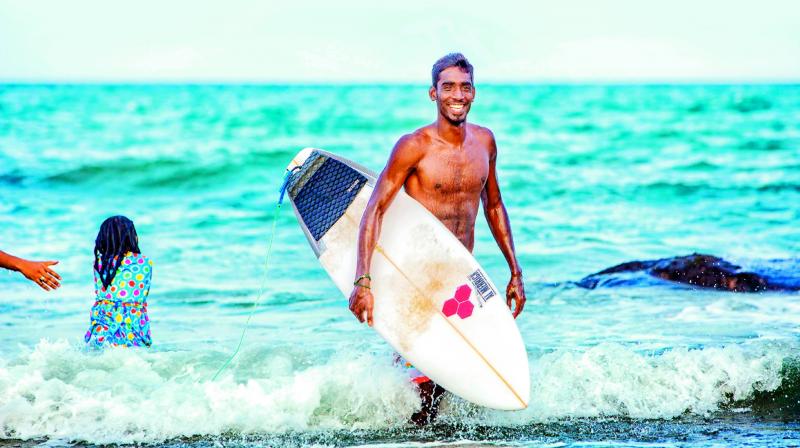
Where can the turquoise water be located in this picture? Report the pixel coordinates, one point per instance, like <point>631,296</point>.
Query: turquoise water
<point>592,176</point>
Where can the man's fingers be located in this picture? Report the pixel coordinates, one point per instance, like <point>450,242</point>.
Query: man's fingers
<point>358,310</point>
<point>353,305</point>
<point>52,272</point>
<point>359,313</point>
<point>51,278</point>
<point>512,298</point>
<point>520,306</point>
<point>46,277</point>
<point>51,282</point>
<point>50,263</point>
<point>361,307</point>
<point>515,292</point>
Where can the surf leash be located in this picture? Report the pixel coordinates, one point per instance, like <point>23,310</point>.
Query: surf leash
<point>257,302</point>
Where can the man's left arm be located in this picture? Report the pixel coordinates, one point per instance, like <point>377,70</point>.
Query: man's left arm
<point>497,217</point>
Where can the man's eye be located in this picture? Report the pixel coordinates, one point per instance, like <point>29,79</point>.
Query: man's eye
<point>446,87</point>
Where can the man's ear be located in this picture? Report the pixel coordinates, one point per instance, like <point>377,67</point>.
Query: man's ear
<point>432,93</point>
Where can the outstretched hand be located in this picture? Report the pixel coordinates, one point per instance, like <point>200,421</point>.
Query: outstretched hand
<point>515,292</point>
<point>361,303</point>
<point>40,273</point>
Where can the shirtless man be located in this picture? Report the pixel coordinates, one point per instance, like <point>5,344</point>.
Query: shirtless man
<point>448,166</point>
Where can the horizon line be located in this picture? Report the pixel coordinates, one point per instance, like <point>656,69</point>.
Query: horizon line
<point>491,82</point>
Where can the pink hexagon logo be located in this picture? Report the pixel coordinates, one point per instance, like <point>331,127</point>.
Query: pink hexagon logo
<point>462,293</point>
<point>450,307</point>
<point>459,303</point>
<point>465,309</point>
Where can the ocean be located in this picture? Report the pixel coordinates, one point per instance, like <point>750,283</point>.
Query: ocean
<point>592,176</point>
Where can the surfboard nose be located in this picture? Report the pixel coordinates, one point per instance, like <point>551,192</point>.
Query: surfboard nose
<point>299,158</point>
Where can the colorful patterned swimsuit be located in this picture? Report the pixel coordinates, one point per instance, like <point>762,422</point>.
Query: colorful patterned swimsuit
<point>119,315</point>
<point>414,375</point>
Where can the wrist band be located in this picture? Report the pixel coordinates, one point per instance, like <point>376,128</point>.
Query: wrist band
<point>362,277</point>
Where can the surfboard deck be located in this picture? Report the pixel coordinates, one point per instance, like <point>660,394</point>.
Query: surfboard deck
<point>434,304</point>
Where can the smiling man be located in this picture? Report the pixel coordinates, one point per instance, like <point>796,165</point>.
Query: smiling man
<point>449,166</point>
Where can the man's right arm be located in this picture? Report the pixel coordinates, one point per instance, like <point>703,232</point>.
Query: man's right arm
<point>402,161</point>
<point>38,272</point>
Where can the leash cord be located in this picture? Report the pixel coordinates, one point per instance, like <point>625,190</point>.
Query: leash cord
<point>286,180</point>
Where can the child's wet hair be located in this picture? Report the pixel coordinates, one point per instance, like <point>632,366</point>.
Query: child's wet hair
<point>117,236</point>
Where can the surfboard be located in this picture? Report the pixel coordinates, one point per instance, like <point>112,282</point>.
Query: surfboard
<point>434,304</point>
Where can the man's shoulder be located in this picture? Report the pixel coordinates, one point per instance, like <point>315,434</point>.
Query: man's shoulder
<point>421,135</point>
<point>414,141</point>
<point>481,132</point>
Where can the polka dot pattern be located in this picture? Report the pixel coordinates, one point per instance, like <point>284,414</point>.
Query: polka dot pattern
<point>119,316</point>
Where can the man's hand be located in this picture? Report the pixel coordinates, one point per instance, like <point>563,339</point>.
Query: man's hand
<point>40,273</point>
<point>361,303</point>
<point>516,292</point>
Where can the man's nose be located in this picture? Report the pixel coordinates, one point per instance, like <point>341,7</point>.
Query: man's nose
<point>458,94</point>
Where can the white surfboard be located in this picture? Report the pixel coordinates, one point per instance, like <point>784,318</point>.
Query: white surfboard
<point>433,303</point>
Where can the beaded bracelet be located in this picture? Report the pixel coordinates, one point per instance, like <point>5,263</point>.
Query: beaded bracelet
<point>362,277</point>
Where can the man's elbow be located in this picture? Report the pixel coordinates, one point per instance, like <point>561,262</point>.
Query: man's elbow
<point>374,213</point>
<point>494,208</point>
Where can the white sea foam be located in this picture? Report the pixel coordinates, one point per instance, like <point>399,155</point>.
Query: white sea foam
<point>56,390</point>
<point>612,380</point>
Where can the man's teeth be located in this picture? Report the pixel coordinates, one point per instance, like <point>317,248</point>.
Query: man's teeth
<point>456,106</point>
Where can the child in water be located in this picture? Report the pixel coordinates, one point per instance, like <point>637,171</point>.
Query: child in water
<point>122,282</point>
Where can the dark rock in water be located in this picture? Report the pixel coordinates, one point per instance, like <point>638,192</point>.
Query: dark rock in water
<point>708,271</point>
<point>705,271</point>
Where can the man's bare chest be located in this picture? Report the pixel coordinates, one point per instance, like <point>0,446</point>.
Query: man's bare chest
<point>454,171</point>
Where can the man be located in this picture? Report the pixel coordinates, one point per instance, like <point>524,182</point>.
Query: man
<point>448,166</point>
<point>38,272</point>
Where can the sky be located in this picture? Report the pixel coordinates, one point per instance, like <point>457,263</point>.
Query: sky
<point>369,41</point>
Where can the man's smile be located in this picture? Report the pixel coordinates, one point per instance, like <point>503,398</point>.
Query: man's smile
<point>456,107</point>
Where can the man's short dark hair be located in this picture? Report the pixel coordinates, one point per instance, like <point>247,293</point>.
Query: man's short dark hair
<point>451,60</point>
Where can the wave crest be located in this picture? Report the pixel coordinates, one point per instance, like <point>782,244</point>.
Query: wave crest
<point>126,396</point>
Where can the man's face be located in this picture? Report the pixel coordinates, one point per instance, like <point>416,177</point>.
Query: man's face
<point>453,94</point>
